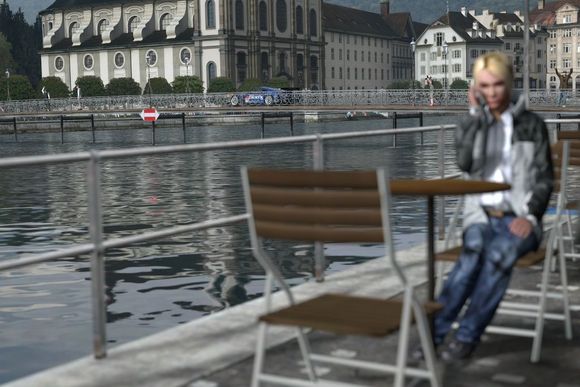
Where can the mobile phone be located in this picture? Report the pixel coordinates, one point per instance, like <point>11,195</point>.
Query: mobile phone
<point>480,99</point>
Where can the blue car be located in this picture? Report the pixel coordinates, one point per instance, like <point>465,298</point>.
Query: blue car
<point>265,96</point>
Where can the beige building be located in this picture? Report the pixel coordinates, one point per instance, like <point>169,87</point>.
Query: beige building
<point>238,39</point>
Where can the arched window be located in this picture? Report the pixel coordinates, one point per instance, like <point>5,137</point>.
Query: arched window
<point>299,20</point>
<point>211,72</point>
<point>282,63</point>
<point>314,69</point>
<point>312,24</point>
<point>263,16</point>
<point>73,29</point>
<point>102,26</point>
<point>239,15</point>
<point>210,15</point>
<point>264,66</point>
<point>241,65</point>
<point>164,21</point>
<point>300,68</point>
<point>281,15</point>
<point>133,23</point>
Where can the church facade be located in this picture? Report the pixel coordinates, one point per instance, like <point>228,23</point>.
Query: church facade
<point>237,39</point>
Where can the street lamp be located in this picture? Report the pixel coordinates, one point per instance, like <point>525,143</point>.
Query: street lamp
<point>187,61</point>
<point>445,51</point>
<point>148,61</point>
<point>7,72</point>
<point>413,46</point>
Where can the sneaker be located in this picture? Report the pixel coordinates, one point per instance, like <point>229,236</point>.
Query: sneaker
<point>416,355</point>
<point>457,350</point>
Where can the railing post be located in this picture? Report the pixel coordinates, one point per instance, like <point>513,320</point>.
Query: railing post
<point>97,258</point>
<point>93,126</point>
<point>441,163</point>
<point>394,127</point>
<point>558,125</point>
<point>421,124</point>
<point>153,132</point>
<point>183,126</point>
<point>263,119</point>
<point>15,130</point>
<point>61,129</point>
<point>292,123</point>
<point>318,161</point>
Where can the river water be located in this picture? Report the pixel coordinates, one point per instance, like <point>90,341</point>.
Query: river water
<point>45,310</point>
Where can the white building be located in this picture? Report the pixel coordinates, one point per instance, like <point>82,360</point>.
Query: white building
<point>463,37</point>
<point>238,39</point>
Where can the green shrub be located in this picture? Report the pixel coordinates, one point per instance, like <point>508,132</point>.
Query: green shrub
<point>185,84</point>
<point>459,84</point>
<point>158,86</point>
<point>123,86</point>
<point>20,88</point>
<point>221,85</point>
<point>250,85</point>
<point>90,86</point>
<point>278,82</point>
<point>55,87</point>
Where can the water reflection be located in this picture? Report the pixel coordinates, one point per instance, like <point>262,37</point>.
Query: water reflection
<point>154,286</point>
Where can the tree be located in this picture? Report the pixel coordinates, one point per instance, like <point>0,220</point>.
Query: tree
<point>90,86</point>
<point>436,85</point>
<point>281,81</point>
<point>250,84</point>
<point>459,84</point>
<point>20,88</point>
<point>400,85</point>
<point>6,60</point>
<point>123,86</point>
<point>221,85</point>
<point>55,87</point>
<point>158,86</point>
<point>190,83</point>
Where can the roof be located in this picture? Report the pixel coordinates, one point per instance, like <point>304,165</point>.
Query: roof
<point>344,19</point>
<point>71,4</point>
<point>547,15</point>
<point>505,18</point>
<point>461,24</point>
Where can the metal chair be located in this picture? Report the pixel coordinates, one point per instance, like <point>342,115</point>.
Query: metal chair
<point>331,206</point>
<point>545,254</point>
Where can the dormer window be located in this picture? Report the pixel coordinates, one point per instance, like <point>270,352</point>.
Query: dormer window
<point>439,38</point>
<point>102,26</point>
<point>567,19</point>
<point>73,28</point>
<point>164,21</point>
<point>133,24</point>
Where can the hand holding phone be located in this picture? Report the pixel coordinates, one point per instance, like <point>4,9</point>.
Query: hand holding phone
<point>476,98</point>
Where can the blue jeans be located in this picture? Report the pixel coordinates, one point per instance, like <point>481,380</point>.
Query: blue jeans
<point>481,274</point>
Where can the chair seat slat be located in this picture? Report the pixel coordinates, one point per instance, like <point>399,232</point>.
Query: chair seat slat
<point>312,179</point>
<point>304,197</point>
<point>311,233</point>
<point>329,216</point>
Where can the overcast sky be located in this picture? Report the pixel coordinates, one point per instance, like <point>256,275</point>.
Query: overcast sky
<point>29,7</point>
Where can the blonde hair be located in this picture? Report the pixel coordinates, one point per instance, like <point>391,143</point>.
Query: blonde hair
<point>496,63</point>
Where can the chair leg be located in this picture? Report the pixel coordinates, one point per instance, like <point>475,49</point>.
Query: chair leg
<point>440,274</point>
<point>539,329</point>
<point>565,298</point>
<point>260,353</point>
<point>555,246</point>
<point>402,347</point>
<point>304,345</point>
<point>427,344</point>
<point>571,235</point>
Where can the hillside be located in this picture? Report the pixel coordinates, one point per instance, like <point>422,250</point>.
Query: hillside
<point>428,11</point>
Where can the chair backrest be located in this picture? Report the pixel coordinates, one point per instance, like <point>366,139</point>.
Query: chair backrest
<point>318,206</point>
<point>565,153</point>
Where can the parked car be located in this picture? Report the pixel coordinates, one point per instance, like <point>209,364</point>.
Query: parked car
<point>265,96</point>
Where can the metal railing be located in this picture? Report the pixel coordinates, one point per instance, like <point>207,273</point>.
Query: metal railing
<point>382,97</point>
<point>99,245</point>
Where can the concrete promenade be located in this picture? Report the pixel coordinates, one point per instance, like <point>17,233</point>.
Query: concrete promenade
<point>216,351</point>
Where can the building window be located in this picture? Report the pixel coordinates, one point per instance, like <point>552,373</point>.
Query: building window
<point>332,73</point>
<point>151,58</point>
<point>314,71</point>
<point>133,23</point>
<point>263,16</point>
<point>211,72</point>
<point>362,74</point>
<point>332,54</point>
<point>210,20</point>
<point>241,66</point>
<point>567,33</point>
<point>382,74</point>
<point>88,62</point>
<point>382,57</point>
<point>457,67</point>
<point>456,54</point>
<point>340,72</point>
<point>376,74</point>
<point>348,54</point>
<point>369,56</point>
<point>439,39</point>
<point>355,73</point>
<point>539,54</point>
<point>508,46</point>
<point>539,68</point>
<point>59,63</point>
<point>369,73</point>
<point>375,57</point>
<point>264,66</point>
<point>567,48</point>
<point>552,63</point>
<point>185,55</point>
<point>282,63</point>
<point>553,48</point>
<point>281,15</point>
<point>339,38</point>
<point>348,73</point>
<point>474,53</point>
<point>300,22</point>
<point>340,54</point>
<point>566,63</point>
<point>355,55</point>
<point>164,21</point>
<point>362,56</point>
<point>313,25</point>
<point>73,28</point>
<point>119,60</point>
<point>239,15</point>
<point>567,19</point>
<point>553,34</point>
<point>102,26</point>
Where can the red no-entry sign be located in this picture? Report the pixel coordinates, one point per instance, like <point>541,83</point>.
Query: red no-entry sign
<point>149,114</point>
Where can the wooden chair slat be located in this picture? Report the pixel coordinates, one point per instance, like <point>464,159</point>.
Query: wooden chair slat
<point>527,260</point>
<point>310,233</point>
<point>312,179</point>
<point>313,215</point>
<point>302,197</point>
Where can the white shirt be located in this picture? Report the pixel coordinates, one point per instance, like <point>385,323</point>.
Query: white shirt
<point>499,147</point>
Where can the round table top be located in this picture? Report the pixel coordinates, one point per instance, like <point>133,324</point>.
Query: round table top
<point>444,187</point>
